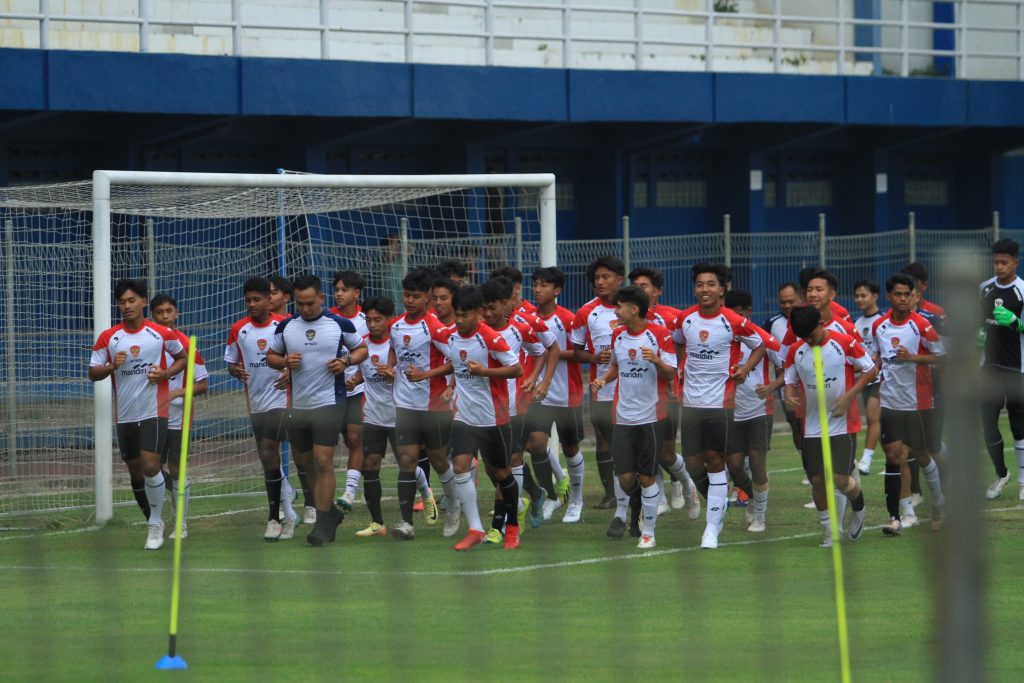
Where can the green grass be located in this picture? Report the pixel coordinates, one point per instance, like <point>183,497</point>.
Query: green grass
<point>93,606</point>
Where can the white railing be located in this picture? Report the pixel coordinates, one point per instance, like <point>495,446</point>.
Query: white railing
<point>781,36</point>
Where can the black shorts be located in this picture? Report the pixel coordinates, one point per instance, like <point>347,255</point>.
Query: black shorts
<point>871,391</point>
<point>147,435</point>
<point>377,438</point>
<point>1001,388</point>
<point>672,428</point>
<point>635,447</point>
<point>270,425</point>
<point>704,429</point>
<point>912,427</point>
<point>494,444</point>
<point>429,428</point>
<point>569,422</point>
<point>517,425</point>
<point>601,418</point>
<point>354,410</point>
<point>844,449</point>
<point>315,427</point>
<point>750,435</point>
<point>172,447</point>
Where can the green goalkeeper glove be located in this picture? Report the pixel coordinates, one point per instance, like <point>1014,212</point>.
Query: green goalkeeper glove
<point>1006,318</point>
<point>980,339</point>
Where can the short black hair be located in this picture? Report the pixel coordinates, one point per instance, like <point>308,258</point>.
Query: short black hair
<point>448,268</point>
<point>916,270</point>
<point>808,274</point>
<point>551,275</point>
<point>738,298</point>
<point>282,284</point>
<point>1008,247</point>
<point>161,299</point>
<point>512,273</point>
<point>256,284</point>
<point>137,286</point>
<point>636,296</point>
<point>446,283</point>
<point>867,284</point>
<point>382,304</point>
<point>656,277</point>
<point>899,279</point>
<point>418,280</point>
<point>612,263</point>
<point>719,270</point>
<point>789,283</point>
<point>307,280</point>
<point>468,298</point>
<point>350,279</point>
<point>496,289</point>
<point>803,320</point>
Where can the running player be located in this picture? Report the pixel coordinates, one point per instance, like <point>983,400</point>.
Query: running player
<point>905,345</point>
<point>134,355</point>
<point>558,400</point>
<point>865,294</point>
<point>710,336</point>
<point>348,289</point>
<point>592,338</point>
<point>267,399</point>
<point>644,364</point>
<point>838,311</point>
<point>165,311</point>
<point>312,345</point>
<point>441,297</point>
<point>790,295</point>
<point>841,355</point>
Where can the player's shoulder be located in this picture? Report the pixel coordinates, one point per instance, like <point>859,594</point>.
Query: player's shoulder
<point>564,314</point>
<point>847,342</point>
<point>240,325</point>
<point>586,309</point>
<point>688,313</point>
<point>797,348</point>
<point>341,321</point>
<point>772,319</point>
<point>162,331</point>
<point>490,336</point>
<point>840,311</point>
<point>108,333</point>
<point>881,320</point>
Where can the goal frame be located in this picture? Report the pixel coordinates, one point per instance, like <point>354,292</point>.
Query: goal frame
<point>103,180</point>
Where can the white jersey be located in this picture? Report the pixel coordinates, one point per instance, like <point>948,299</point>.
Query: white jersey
<point>359,321</point>
<point>592,329</point>
<point>480,401</point>
<point>641,396</point>
<point>865,326</point>
<point>712,346</point>
<point>748,404</point>
<point>523,341</point>
<point>776,327</point>
<point>247,344</point>
<point>378,394</point>
<point>319,341</point>
<point>419,344</point>
<point>841,355</point>
<point>906,386</point>
<point>176,411</point>
<point>135,398</point>
<point>566,388</point>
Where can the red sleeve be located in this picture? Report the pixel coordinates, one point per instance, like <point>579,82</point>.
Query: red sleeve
<point>497,342</point>
<point>741,327</point>
<point>665,341</point>
<point>791,356</point>
<point>170,335</point>
<point>928,332</point>
<point>853,348</point>
<point>104,339</point>
<point>233,332</point>
<point>770,342</point>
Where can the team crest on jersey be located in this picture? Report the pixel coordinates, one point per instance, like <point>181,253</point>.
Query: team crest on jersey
<point>895,342</point>
<point>704,334</point>
<point>261,344</point>
<point>632,354</point>
<point>614,323</point>
<point>999,302</point>
<point>310,335</point>
<point>374,359</point>
<point>135,349</point>
<point>463,355</point>
<point>406,339</point>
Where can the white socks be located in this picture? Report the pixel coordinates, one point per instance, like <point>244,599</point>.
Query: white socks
<point>421,483</point>
<point>841,502</point>
<point>517,474</point>
<point>448,482</point>
<point>1018,450</point>
<point>678,468</point>
<point>576,468</point>
<point>155,495</point>
<point>931,477</point>
<point>621,501</point>
<point>718,493</point>
<point>465,490</point>
<point>556,467</point>
<point>352,479</point>
<point>906,506</point>
<point>649,496</point>
<point>760,501</point>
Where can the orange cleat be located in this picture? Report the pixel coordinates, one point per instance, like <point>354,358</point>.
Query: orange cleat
<point>511,537</point>
<point>417,506</point>
<point>471,539</point>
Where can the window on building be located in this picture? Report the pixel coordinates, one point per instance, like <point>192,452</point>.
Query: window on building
<point>808,189</point>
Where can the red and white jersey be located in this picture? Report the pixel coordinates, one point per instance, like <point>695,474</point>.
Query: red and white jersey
<point>319,341</point>
<point>378,392</point>
<point>839,311</point>
<point>526,307</point>
<point>135,398</point>
<point>545,339</point>
<point>841,356</point>
<point>176,411</point>
<point>419,344</point>
<point>522,340</point>
<point>566,388</point>
<point>592,329</point>
<point>480,401</point>
<point>667,317</point>
<point>712,346</point>
<point>836,324</point>
<point>359,321</point>
<point>248,344</point>
<point>905,385</point>
<point>748,404</point>
<point>641,396</point>
<point>933,308</point>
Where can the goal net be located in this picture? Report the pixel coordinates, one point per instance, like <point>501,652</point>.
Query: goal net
<point>198,237</point>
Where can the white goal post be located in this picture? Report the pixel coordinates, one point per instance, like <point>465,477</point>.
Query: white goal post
<point>116,192</point>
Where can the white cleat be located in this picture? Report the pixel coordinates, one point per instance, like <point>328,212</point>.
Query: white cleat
<point>756,526</point>
<point>748,513</point>
<point>287,529</point>
<point>452,519</point>
<point>346,500</point>
<point>663,506</point>
<point>693,503</point>
<point>908,521</point>
<point>404,531</point>
<point>709,540</point>
<point>174,533</point>
<point>857,524</point>
<point>154,536</point>
<point>549,507</point>
<point>864,466</point>
<point>811,505</point>
<point>273,531</point>
<point>647,541</point>
<point>995,489</point>
<point>826,540</point>
<point>678,495</point>
<point>573,513</point>
<point>1020,496</point>
<point>805,481</point>
<point>916,499</point>
<point>309,515</point>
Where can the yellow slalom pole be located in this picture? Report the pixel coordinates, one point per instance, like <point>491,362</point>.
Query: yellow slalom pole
<point>837,552</point>
<point>172,660</point>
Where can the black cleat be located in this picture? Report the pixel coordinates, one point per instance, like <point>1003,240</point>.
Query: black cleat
<point>337,516</point>
<point>607,503</point>
<point>616,529</point>
<point>634,524</point>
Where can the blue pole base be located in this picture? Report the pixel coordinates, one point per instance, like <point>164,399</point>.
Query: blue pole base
<point>168,662</point>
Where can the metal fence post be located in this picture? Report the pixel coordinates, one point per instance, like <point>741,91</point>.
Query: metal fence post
<point>821,240</point>
<point>519,243</point>
<point>9,351</point>
<point>912,235</point>
<point>625,243</point>
<point>236,27</point>
<point>150,257</point>
<point>325,29</point>
<point>709,35</point>
<point>403,231</point>
<point>143,25</point>
<point>408,31</point>
<point>489,31</point>
<point>995,226</point>
<point>44,25</point>
<point>727,240</point>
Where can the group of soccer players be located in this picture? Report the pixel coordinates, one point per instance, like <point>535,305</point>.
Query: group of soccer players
<point>456,376</point>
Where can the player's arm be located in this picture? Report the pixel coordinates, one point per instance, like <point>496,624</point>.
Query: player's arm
<point>499,351</point>
<point>600,382</point>
<point>355,380</point>
<point>862,363</point>
<point>157,375</point>
<point>102,366</point>
<point>790,395</point>
<point>414,374</point>
<point>278,361</point>
<point>550,366</point>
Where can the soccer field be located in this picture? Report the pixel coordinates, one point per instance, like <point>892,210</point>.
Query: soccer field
<point>91,605</point>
